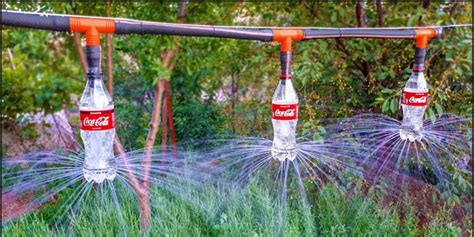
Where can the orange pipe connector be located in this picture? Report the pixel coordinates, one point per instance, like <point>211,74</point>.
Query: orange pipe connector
<point>422,37</point>
<point>286,37</point>
<point>92,28</point>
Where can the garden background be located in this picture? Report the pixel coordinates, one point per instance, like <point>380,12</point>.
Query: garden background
<point>223,87</point>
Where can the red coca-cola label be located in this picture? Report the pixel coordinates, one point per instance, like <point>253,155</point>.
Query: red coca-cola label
<point>97,120</point>
<point>285,112</point>
<point>415,98</point>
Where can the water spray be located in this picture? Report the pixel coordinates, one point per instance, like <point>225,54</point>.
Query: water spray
<point>415,94</point>
<point>285,100</point>
<point>96,106</point>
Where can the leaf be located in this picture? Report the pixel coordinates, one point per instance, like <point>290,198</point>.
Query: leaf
<point>383,75</point>
<point>379,100</point>
<point>412,21</point>
<point>334,17</point>
<point>386,91</point>
<point>439,109</point>
<point>385,106</point>
<point>456,199</point>
<point>323,45</point>
<point>321,129</point>
<point>431,115</point>
<point>317,137</point>
<point>394,105</point>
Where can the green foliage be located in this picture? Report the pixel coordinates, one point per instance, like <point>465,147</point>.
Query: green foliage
<point>334,77</point>
<point>37,73</point>
<point>458,188</point>
<point>249,211</point>
<point>195,121</point>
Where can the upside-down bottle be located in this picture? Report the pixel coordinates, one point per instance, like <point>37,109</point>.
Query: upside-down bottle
<point>414,100</point>
<point>97,123</point>
<point>284,113</point>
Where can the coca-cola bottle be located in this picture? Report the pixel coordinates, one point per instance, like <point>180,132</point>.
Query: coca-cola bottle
<point>284,113</point>
<point>97,123</point>
<point>414,100</point>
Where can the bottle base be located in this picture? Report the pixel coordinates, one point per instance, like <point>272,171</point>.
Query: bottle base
<point>283,154</point>
<point>99,175</point>
<point>410,135</point>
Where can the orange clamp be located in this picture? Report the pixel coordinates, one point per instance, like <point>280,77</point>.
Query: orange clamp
<point>92,27</point>
<point>285,37</point>
<point>422,37</point>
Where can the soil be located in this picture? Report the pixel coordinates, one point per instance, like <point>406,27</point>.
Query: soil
<point>56,133</point>
<point>14,206</point>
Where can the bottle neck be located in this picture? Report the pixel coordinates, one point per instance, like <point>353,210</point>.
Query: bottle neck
<point>286,73</point>
<point>417,74</point>
<point>286,82</point>
<point>93,55</point>
<point>94,78</point>
<point>419,64</point>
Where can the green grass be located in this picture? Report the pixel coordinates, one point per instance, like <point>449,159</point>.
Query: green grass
<point>249,211</point>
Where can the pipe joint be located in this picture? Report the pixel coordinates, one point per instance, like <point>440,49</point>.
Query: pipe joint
<point>423,36</point>
<point>286,37</point>
<point>92,28</point>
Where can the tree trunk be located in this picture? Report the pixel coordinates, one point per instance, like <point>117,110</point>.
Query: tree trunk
<point>144,200</point>
<point>144,196</point>
<point>426,4</point>
<point>453,9</point>
<point>122,155</point>
<point>232,101</point>
<point>164,121</point>
<point>80,51</point>
<point>360,14</point>
<point>380,14</point>
<point>182,8</point>
<point>364,65</point>
<point>108,45</point>
<point>145,211</point>
<point>169,111</point>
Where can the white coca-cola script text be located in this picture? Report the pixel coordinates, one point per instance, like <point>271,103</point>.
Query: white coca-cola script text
<point>99,122</point>
<point>285,113</point>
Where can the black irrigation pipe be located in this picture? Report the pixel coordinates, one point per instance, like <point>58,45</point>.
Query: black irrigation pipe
<point>63,23</point>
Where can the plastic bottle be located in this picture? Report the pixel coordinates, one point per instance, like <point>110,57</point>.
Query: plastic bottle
<point>414,100</point>
<point>97,124</point>
<point>284,114</point>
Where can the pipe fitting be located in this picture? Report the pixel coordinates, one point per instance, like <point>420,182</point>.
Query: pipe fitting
<point>423,36</point>
<point>286,37</point>
<point>92,28</point>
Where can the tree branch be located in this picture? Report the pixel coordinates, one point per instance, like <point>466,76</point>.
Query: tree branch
<point>453,9</point>
<point>10,57</point>
<point>170,119</point>
<point>133,180</point>
<point>233,90</point>
<point>341,47</point>
<point>145,212</point>
<point>154,125</point>
<point>312,9</point>
<point>80,51</point>
<point>144,197</point>
<point>108,45</point>
<point>426,4</point>
<point>164,121</point>
<point>360,14</point>
<point>182,9</point>
<point>380,14</point>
